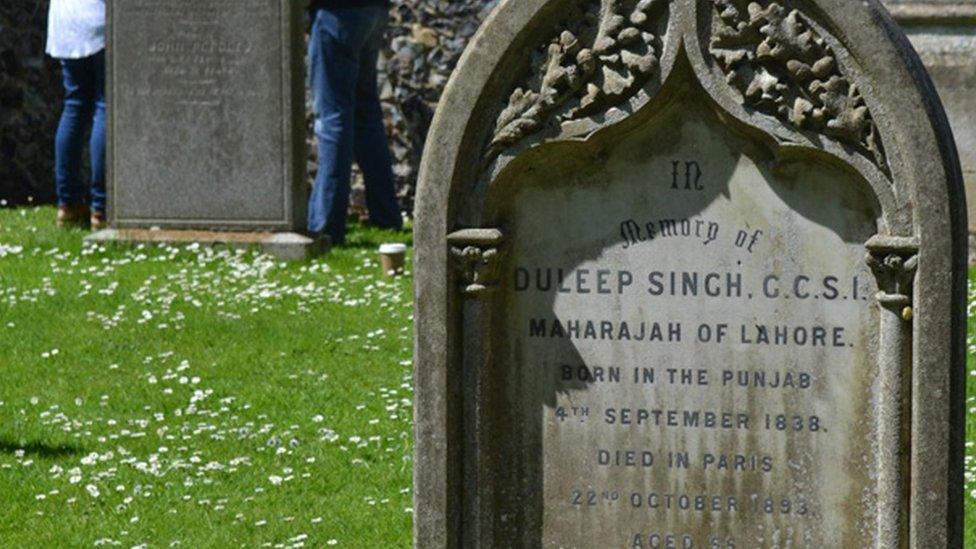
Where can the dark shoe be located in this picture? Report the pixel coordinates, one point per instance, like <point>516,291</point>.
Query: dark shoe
<point>77,215</point>
<point>321,239</point>
<point>98,220</point>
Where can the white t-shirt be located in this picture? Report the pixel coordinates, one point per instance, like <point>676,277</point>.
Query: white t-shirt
<point>75,28</point>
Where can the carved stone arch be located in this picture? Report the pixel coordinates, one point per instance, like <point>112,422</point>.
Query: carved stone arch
<point>560,96</point>
<point>922,171</point>
<point>785,73</point>
<point>584,77</point>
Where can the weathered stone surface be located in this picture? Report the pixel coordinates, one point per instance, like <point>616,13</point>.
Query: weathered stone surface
<point>912,12</point>
<point>689,274</point>
<point>206,114</point>
<point>944,34</point>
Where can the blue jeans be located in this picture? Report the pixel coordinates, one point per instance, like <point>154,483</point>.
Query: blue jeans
<point>84,110</point>
<point>342,55</point>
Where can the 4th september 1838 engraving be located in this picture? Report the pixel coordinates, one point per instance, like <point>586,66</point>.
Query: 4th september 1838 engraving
<point>205,102</point>
<point>689,276</point>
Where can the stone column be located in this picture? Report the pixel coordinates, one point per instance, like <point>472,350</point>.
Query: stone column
<point>894,262</point>
<point>477,256</point>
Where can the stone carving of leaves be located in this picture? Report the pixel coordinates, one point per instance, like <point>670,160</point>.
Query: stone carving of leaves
<point>584,70</point>
<point>784,68</point>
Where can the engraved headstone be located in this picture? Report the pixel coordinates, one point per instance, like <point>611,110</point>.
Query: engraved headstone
<point>690,274</point>
<point>944,34</point>
<point>206,115</point>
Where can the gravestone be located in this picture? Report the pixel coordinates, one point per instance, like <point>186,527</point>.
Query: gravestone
<point>206,117</point>
<point>690,273</point>
<point>944,34</point>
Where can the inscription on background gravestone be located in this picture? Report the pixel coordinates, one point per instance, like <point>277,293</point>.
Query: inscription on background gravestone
<point>694,297</point>
<point>206,114</point>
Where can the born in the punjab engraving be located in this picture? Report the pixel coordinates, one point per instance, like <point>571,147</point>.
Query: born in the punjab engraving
<point>650,375</point>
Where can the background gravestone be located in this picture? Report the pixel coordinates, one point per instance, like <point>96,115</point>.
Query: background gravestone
<point>689,274</point>
<point>944,34</point>
<point>207,114</point>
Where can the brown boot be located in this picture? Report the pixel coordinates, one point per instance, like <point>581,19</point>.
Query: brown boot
<point>76,215</point>
<point>98,220</point>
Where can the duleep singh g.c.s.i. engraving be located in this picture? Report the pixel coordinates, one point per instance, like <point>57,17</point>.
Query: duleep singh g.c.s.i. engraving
<point>690,273</point>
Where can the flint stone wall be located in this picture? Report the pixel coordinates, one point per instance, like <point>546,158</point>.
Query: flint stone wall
<point>30,99</point>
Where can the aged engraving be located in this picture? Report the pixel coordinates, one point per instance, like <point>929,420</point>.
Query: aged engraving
<point>782,65</point>
<point>195,59</point>
<point>599,61</point>
<point>683,355</point>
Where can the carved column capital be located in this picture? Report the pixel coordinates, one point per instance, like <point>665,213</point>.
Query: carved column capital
<point>477,257</point>
<point>894,261</point>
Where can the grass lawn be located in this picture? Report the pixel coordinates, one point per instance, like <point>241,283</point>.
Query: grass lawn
<point>200,397</point>
<point>196,397</point>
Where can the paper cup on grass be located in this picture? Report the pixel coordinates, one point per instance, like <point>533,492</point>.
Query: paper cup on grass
<point>392,258</point>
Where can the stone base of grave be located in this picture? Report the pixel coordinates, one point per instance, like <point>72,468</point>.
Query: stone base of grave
<point>286,246</point>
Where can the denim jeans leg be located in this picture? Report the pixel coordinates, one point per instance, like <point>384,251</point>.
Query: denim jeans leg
<point>372,147</point>
<point>334,47</point>
<point>97,143</point>
<point>79,88</point>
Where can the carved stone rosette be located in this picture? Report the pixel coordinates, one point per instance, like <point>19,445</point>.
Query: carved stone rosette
<point>608,54</point>
<point>894,262</point>
<point>477,257</point>
<point>783,67</point>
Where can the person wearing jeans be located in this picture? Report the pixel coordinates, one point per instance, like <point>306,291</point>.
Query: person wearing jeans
<point>342,55</point>
<point>76,36</point>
